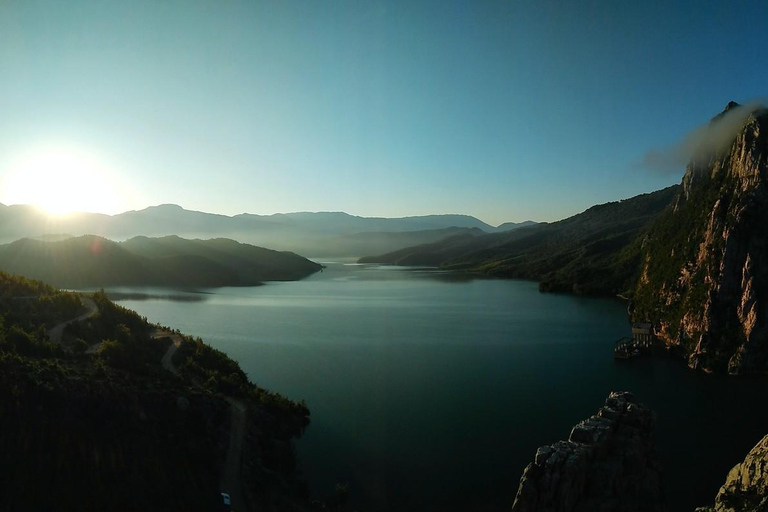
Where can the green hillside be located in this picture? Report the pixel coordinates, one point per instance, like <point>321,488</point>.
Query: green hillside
<point>594,252</point>
<point>248,262</point>
<point>91,261</point>
<point>113,429</point>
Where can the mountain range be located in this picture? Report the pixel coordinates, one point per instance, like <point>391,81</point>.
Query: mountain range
<point>594,252</point>
<point>322,234</point>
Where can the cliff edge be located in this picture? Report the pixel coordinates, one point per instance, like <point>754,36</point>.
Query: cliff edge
<point>607,464</point>
<point>746,486</point>
<point>704,275</point>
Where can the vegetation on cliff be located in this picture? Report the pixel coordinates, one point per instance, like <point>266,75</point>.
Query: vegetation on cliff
<point>746,486</point>
<point>704,270</point>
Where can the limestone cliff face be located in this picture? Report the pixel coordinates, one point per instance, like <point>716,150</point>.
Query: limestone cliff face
<point>607,464</point>
<point>746,487</point>
<point>704,279</point>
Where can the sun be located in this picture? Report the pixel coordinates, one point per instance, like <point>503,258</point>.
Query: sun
<point>61,180</point>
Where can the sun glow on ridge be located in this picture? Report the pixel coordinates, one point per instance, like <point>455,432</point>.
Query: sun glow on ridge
<point>60,181</point>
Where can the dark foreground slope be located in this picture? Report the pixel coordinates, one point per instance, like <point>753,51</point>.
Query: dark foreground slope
<point>704,279</point>
<point>594,252</point>
<point>114,430</point>
<point>91,261</point>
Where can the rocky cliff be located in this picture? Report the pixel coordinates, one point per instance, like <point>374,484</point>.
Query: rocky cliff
<point>607,464</point>
<point>704,275</point>
<point>746,487</point>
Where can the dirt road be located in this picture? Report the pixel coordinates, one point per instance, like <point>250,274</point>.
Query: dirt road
<point>57,332</point>
<point>231,479</point>
<point>167,360</point>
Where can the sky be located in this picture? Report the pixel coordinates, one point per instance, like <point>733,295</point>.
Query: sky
<point>503,110</point>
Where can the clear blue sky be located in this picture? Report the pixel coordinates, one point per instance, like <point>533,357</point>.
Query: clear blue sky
<point>502,110</point>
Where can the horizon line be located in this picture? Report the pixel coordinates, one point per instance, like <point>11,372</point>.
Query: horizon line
<point>174,205</point>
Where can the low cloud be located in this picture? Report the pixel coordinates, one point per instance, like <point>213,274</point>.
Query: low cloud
<point>709,138</point>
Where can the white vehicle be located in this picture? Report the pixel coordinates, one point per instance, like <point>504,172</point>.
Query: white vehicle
<point>225,500</point>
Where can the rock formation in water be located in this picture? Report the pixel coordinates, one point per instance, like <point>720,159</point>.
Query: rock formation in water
<point>704,277</point>
<point>607,464</point>
<point>746,486</point>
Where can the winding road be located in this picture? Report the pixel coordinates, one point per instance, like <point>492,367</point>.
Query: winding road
<point>167,359</point>
<point>57,332</point>
<point>231,480</point>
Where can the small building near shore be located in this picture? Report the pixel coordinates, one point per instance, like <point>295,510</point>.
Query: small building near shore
<point>641,342</point>
<point>642,334</point>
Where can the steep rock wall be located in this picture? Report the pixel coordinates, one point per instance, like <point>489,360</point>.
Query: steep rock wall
<point>704,277</point>
<point>746,486</point>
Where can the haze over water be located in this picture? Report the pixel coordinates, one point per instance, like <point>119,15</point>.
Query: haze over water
<point>431,391</point>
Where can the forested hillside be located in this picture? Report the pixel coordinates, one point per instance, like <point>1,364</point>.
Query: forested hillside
<point>594,252</point>
<point>94,422</point>
<point>91,261</point>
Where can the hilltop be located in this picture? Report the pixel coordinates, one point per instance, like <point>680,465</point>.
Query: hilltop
<point>91,261</point>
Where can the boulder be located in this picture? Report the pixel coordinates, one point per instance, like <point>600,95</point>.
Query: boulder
<point>608,464</point>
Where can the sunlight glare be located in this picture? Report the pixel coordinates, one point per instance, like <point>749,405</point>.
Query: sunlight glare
<point>60,181</point>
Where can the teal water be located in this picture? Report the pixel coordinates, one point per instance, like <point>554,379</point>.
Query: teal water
<point>431,391</point>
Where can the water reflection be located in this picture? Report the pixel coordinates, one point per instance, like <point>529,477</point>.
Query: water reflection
<point>184,296</point>
<point>415,375</point>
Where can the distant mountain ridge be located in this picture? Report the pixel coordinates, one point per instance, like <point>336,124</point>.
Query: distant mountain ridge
<point>311,234</point>
<point>91,261</point>
<point>594,252</point>
<point>508,226</point>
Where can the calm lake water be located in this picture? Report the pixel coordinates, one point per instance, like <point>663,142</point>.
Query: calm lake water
<point>429,391</point>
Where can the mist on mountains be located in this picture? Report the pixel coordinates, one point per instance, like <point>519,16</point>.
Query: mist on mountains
<point>709,138</point>
<point>324,234</point>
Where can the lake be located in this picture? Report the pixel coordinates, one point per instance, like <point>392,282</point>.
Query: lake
<point>432,391</point>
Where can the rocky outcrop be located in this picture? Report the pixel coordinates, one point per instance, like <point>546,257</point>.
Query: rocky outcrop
<point>705,260</point>
<point>746,487</point>
<point>607,464</point>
